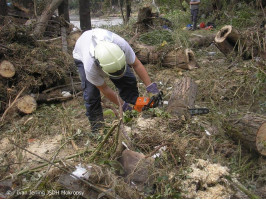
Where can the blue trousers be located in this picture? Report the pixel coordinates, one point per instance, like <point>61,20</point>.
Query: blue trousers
<point>194,18</point>
<point>127,87</point>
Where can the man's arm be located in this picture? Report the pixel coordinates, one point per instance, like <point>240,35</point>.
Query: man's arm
<point>110,94</point>
<point>141,71</point>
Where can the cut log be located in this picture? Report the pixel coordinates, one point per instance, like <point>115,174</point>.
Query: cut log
<point>181,58</point>
<point>197,41</point>
<point>226,39</point>
<point>230,42</point>
<point>183,97</point>
<point>7,69</point>
<point>250,130</point>
<point>27,104</point>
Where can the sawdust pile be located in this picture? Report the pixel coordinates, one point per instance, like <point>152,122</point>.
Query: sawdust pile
<point>206,181</point>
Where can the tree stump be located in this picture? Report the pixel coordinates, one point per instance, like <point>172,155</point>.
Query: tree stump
<point>250,130</point>
<point>183,97</point>
<point>27,104</point>
<point>7,69</point>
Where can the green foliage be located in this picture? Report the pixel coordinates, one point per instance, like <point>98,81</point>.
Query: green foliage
<point>156,37</point>
<point>165,189</point>
<point>179,18</point>
<point>242,16</point>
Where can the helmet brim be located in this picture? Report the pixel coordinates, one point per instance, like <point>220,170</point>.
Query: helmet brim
<point>117,74</point>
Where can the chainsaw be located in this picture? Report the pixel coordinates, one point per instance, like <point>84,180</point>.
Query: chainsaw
<point>144,103</point>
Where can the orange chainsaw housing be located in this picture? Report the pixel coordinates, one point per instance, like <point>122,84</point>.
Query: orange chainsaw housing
<point>141,102</point>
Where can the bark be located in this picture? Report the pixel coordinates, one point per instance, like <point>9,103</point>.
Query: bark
<point>84,13</point>
<point>183,97</point>
<point>201,40</point>
<point>63,10</point>
<point>181,58</point>
<point>250,130</point>
<point>27,104</point>
<point>46,15</point>
<point>7,69</point>
<point>3,11</point>
<point>64,39</point>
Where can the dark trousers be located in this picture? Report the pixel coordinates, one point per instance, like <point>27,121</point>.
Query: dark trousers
<point>127,87</point>
<point>194,18</point>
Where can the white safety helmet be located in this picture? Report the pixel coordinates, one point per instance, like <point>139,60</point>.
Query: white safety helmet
<point>110,58</point>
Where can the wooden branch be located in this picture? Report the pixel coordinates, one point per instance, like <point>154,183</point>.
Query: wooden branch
<point>64,39</point>
<point>46,15</point>
<point>99,147</point>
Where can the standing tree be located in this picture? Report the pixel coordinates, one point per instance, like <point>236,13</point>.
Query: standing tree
<point>128,10</point>
<point>3,11</point>
<point>84,15</point>
<point>63,10</point>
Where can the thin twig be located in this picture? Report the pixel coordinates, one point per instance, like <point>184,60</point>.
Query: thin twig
<point>3,116</point>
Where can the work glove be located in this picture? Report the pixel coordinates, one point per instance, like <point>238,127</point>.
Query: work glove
<point>126,107</point>
<point>152,88</point>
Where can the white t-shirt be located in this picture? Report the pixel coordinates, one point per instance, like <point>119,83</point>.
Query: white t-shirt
<point>94,74</point>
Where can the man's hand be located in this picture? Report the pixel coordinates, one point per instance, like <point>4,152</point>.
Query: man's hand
<point>152,88</point>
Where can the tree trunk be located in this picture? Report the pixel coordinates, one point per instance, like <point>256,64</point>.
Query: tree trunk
<point>128,10</point>
<point>3,11</point>
<point>46,15</point>
<point>7,69</point>
<point>250,130</point>
<point>84,13</point>
<point>183,97</point>
<point>27,104</point>
<point>63,10</point>
<point>120,4</point>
